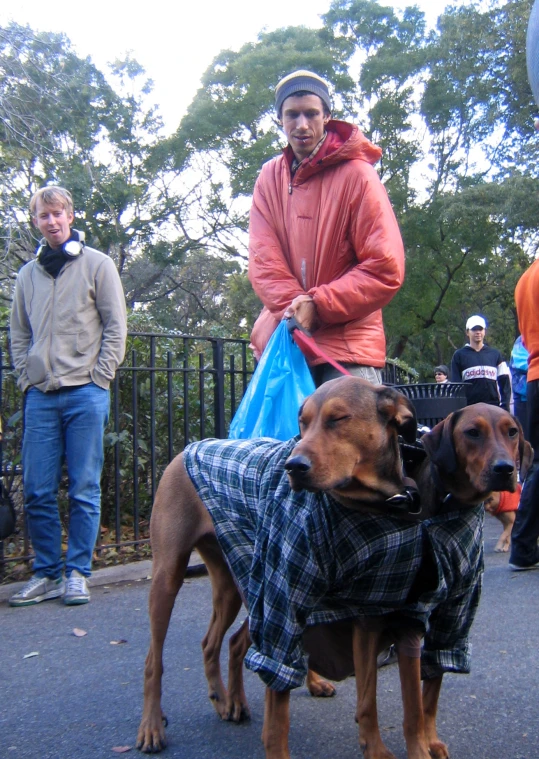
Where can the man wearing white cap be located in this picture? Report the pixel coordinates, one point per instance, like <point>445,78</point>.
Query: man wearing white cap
<point>324,244</point>
<point>482,367</point>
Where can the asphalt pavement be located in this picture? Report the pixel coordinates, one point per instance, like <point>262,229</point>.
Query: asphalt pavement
<point>69,697</point>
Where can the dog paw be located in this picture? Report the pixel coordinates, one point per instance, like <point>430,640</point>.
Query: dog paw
<point>323,690</point>
<point>318,687</point>
<point>219,703</point>
<point>375,750</point>
<point>438,750</point>
<point>238,712</point>
<point>151,741</point>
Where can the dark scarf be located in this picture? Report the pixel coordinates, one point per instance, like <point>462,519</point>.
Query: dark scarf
<point>52,260</point>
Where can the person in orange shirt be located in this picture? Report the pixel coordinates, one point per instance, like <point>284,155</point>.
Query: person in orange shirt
<point>504,507</point>
<point>524,549</point>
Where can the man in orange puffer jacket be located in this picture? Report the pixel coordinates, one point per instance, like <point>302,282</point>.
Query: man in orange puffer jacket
<point>324,243</point>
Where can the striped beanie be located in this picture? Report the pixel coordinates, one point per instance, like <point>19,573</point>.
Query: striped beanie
<point>301,81</point>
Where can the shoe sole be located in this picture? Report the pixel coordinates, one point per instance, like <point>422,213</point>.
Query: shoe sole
<point>37,599</point>
<point>516,568</point>
<point>75,601</point>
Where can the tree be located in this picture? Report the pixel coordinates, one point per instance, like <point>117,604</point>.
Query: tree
<point>451,109</point>
<point>64,122</point>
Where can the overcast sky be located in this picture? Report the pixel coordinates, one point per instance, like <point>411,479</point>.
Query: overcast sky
<point>175,43</point>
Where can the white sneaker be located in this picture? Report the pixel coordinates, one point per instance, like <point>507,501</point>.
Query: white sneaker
<point>36,590</point>
<point>76,591</point>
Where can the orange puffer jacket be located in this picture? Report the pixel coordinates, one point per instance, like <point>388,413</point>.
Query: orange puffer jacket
<point>328,231</point>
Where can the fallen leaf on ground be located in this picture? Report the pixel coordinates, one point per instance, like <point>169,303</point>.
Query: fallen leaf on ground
<point>31,654</point>
<point>117,642</point>
<point>79,633</point>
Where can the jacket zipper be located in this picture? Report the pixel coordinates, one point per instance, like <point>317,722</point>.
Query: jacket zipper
<point>51,332</point>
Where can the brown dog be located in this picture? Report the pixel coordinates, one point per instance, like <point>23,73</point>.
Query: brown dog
<point>349,448</point>
<point>472,452</point>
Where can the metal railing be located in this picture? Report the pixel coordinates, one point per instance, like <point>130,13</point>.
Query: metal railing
<point>170,390</point>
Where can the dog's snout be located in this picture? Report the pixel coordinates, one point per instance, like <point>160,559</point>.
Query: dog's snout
<point>503,467</point>
<point>297,464</point>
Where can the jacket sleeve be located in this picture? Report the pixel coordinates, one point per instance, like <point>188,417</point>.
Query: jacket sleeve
<point>110,304</point>
<point>504,384</point>
<point>456,374</point>
<point>376,240</point>
<point>20,335</point>
<point>269,272</point>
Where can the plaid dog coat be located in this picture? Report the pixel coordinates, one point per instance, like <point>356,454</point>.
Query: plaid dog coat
<point>302,558</point>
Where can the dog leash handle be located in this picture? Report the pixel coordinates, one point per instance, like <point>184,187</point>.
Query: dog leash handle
<point>308,346</point>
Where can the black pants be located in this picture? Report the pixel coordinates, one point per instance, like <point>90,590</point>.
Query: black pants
<point>525,533</point>
<point>521,413</point>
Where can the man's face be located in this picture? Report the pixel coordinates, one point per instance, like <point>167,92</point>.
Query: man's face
<point>304,123</point>
<point>476,336</point>
<point>54,222</point>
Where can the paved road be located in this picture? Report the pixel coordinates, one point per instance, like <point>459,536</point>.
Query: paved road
<point>81,697</point>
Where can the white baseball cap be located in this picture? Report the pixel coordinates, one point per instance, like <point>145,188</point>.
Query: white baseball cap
<point>476,321</point>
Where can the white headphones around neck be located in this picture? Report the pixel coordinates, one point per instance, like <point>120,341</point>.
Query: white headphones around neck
<point>72,247</point>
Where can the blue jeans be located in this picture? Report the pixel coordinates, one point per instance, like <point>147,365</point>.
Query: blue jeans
<point>65,424</point>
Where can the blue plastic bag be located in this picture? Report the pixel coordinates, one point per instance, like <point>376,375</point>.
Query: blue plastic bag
<point>278,387</point>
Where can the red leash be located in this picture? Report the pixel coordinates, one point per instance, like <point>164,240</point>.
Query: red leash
<point>309,348</point>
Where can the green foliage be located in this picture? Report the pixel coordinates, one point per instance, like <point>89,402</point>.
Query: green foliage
<point>63,122</point>
<point>450,106</point>
<point>232,116</point>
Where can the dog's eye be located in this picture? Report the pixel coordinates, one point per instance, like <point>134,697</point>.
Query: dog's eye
<point>333,422</point>
<point>473,433</point>
<point>512,431</point>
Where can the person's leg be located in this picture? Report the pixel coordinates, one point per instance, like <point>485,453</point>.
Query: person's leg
<point>521,414</point>
<point>325,372</point>
<point>42,455</point>
<point>525,533</point>
<point>85,414</point>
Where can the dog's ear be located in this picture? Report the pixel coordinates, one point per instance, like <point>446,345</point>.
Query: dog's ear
<point>525,452</point>
<point>438,443</point>
<point>400,411</point>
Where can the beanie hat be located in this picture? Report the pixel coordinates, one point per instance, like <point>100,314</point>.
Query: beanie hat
<point>301,81</point>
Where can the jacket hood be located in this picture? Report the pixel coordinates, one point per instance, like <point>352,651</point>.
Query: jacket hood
<point>344,142</point>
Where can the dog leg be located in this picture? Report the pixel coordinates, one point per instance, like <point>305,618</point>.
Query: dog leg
<point>237,708</point>
<point>163,592</point>
<point>412,702</point>
<point>318,686</point>
<point>276,724</point>
<point>226,605</point>
<point>179,522</point>
<point>366,646</point>
<point>431,694</point>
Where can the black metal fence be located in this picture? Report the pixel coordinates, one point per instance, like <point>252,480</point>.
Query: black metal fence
<point>170,390</point>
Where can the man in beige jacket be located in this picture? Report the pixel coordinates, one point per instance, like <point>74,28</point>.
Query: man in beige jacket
<point>68,332</point>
